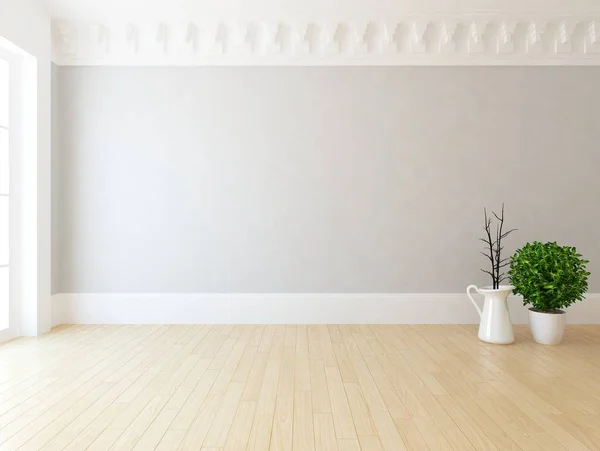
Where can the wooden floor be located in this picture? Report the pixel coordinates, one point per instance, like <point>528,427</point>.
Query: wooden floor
<point>258,388</point>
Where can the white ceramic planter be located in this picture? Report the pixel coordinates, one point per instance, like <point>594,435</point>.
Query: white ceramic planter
<point>547,328</point>
<point>495,326</point>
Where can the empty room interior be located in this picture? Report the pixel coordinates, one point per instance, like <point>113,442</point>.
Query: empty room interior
<point>299,226</point>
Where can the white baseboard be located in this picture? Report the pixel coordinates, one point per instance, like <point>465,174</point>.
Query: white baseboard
<point>319,308</point>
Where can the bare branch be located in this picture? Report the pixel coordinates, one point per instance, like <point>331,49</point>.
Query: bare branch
<point>487,256</point>
<point>493,246</point>
<point>490,244</point>
<point>505,234</point>
<point>499,244</point>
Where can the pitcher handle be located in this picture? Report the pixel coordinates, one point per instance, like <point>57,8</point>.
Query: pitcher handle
<point>474,287</point>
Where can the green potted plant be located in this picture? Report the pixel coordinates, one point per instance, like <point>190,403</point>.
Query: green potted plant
<point>550,278</point>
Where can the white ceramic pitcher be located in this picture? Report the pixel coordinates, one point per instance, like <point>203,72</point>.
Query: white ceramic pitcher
<point>495,326</point>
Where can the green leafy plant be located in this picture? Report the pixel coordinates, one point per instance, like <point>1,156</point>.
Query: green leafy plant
<point>548,276</point>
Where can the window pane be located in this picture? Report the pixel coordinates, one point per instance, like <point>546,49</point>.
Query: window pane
<point>3,230</point>
<point>4,305</point>
<point>4,70</point>
<point>3,161</point>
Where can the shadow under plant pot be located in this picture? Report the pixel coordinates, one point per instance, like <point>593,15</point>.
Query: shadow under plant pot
<point>547,328</point>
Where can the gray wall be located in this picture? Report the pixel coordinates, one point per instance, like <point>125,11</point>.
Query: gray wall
<point>316,179</point>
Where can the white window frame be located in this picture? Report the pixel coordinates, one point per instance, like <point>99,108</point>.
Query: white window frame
<point>15,125</point>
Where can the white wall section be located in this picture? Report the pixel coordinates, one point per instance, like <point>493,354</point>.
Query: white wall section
<point>317,179</point>
<point>242,181</point>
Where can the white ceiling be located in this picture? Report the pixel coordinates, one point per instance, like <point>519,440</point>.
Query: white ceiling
<point>260,9</point>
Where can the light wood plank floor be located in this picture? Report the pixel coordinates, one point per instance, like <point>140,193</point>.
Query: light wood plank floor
<point>297,388</point>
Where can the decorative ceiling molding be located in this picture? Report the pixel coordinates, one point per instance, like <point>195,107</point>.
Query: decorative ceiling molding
<point>478,39</point>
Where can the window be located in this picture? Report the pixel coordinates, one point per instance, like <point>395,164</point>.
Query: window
<point>4,194</point>
<point>18,195</point>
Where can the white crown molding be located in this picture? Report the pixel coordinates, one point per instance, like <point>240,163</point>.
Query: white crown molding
<point>288,308</point>
<point>427,39</point>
